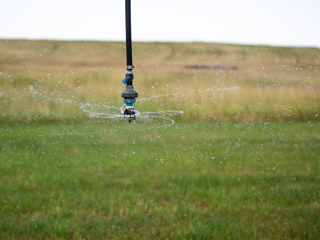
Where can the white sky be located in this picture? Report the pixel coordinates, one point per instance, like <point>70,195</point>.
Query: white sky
<point>270,22</point>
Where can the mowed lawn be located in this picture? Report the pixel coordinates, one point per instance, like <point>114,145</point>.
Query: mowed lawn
<point>191,180</point>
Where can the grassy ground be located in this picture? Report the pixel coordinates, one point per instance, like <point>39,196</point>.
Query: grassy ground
<point>241,162</point>
<point>189,180</point>
<point>43,81</point>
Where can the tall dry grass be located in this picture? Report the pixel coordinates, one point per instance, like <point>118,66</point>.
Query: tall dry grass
<point>53,81</point>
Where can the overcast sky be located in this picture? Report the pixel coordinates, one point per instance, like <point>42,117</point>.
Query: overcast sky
<point>270,22</point>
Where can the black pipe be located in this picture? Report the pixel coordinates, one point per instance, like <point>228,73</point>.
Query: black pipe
<point>128,35</point>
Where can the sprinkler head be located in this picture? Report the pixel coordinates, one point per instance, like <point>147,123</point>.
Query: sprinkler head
<point>129,96</point>
<point>129,114</point>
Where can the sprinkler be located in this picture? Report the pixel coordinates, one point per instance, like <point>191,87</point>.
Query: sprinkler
<point>129,94</point>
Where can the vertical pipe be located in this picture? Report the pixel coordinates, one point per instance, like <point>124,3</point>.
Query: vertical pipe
<point>128,34</point>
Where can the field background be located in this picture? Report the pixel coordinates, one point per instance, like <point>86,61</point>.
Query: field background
<point>232,151</point>
<point>51,80</point>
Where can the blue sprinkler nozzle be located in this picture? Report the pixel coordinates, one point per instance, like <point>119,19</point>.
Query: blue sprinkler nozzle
<point>125,81</point>
<point>129,103</point>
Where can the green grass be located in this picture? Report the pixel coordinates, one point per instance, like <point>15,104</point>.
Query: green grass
<point>189,180</point>
<point>241,162</point>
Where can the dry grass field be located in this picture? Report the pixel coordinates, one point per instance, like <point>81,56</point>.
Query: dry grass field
<point>51,80</point>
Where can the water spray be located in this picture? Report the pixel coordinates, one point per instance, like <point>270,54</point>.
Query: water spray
<point>129,94</point>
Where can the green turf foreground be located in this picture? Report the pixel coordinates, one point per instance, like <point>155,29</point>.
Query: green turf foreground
<point>146,181</point>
